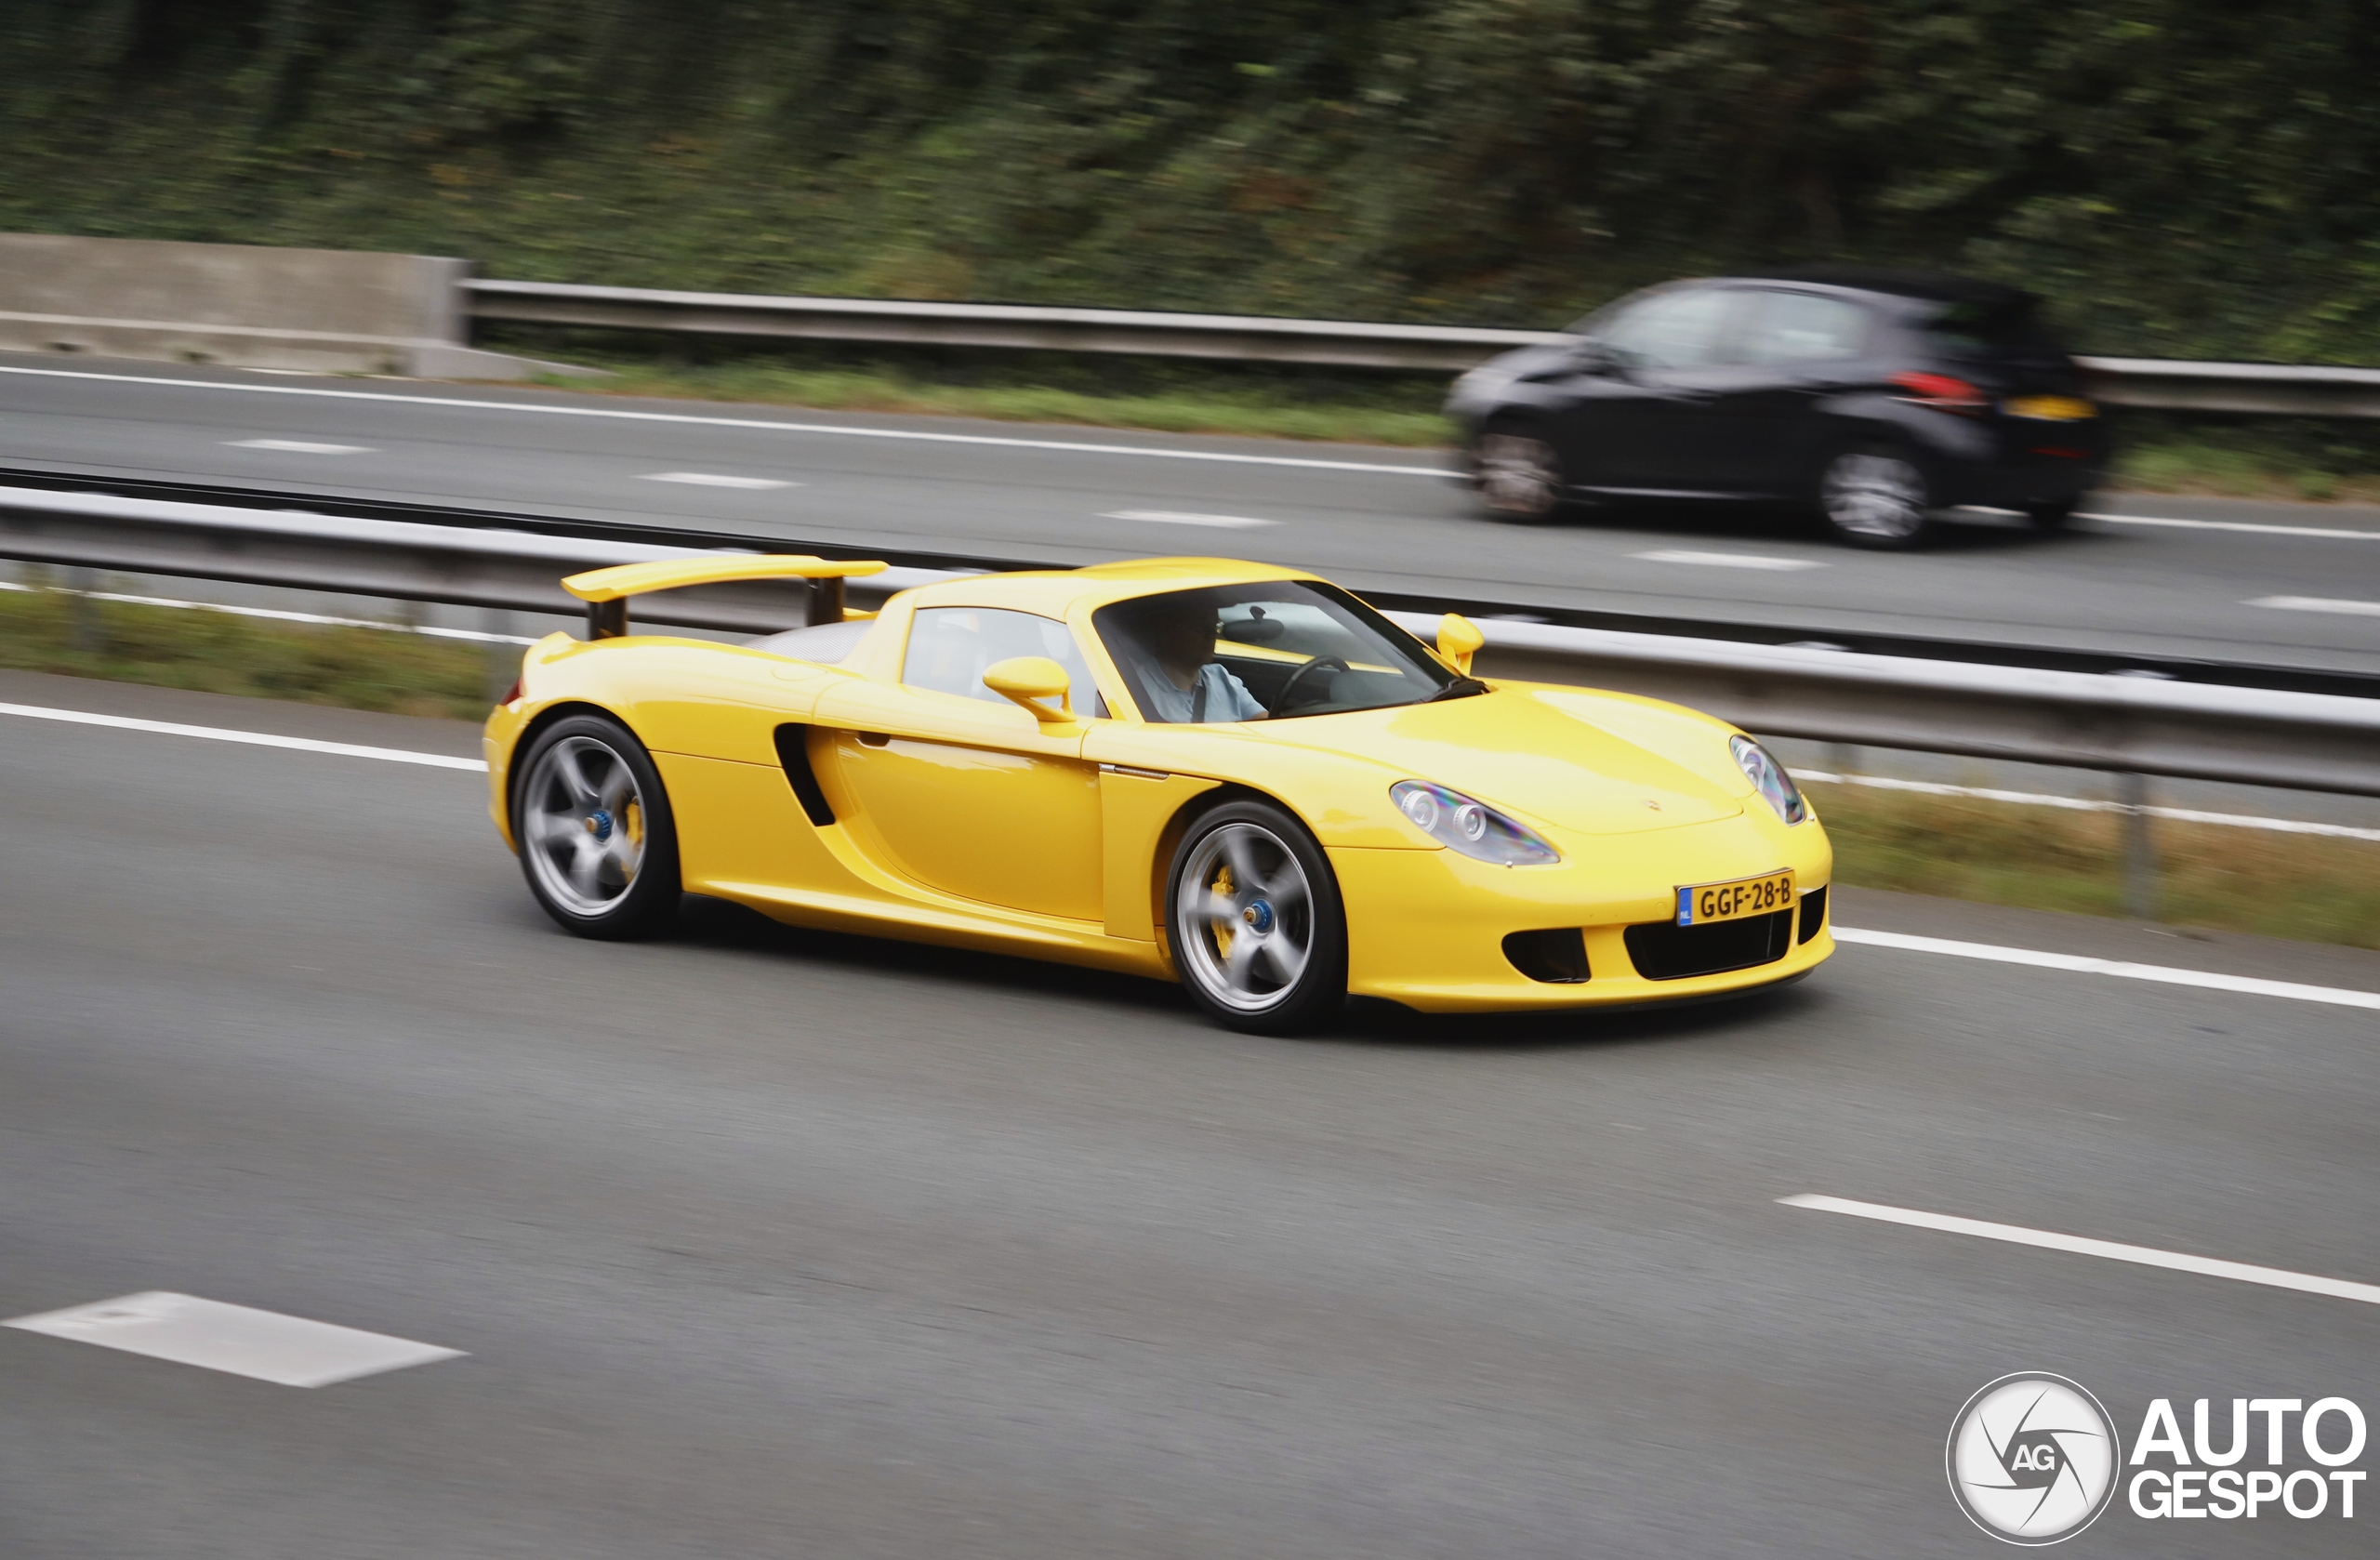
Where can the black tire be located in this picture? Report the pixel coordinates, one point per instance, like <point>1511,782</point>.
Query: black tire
<point>1877,498</point>
<point>1291,971</point>
<point>1516,475</point>
<point>597,843</point>
<point>2051,517</point>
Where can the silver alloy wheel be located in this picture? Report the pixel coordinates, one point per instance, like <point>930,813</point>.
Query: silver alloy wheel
<point>1516,475</point>
<point>1247,917</point>
<point>582,825</point>
<point>1877,495</point>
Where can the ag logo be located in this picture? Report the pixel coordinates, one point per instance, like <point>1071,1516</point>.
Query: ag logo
<point>2032,1459</point>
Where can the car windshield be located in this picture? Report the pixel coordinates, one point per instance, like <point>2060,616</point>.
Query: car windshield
<point>1266,651</point>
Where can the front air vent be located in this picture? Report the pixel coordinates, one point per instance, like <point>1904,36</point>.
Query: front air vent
<point>1666,951</point>
<point>1557,957</point>
<point>1813,914</point>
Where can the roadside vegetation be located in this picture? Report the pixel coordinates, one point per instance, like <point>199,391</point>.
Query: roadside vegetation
<point>219,652</point>
<point>2178,177</point>
<point>2277,885</point>
<point>2308,887</point>
<point>1161,395</point>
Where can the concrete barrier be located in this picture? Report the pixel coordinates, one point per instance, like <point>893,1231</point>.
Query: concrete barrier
<point>325,309</point>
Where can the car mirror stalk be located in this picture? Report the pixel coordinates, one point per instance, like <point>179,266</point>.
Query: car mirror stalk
<point>1459,640</point>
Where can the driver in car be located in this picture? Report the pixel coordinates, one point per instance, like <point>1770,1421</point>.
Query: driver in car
<point>1193,687</point>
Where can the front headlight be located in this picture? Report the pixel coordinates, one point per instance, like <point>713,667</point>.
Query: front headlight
<point>1474,828</point>
<point>1768,777</point>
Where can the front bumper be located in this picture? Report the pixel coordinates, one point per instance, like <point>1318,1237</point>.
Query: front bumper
<point>1428,928</point>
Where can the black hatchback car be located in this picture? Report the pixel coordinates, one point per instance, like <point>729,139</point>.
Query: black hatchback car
<point>1880,398</point>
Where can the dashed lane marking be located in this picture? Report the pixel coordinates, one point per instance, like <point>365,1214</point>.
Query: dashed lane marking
<point>289,1350</point>
<point>2317,604</point>
<point>1177,517</point>
<point>2147,1256</point>
<point>298,446</point>
<point>1726,559</point>
<point>714,478</point>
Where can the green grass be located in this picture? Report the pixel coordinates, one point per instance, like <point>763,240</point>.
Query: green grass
<point>2311,888</point>
<point>2228,471</point>
<point>1254,409</point>
<point>217,652</point>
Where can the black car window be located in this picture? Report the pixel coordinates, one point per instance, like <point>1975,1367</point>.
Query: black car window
<point>1674,330</point>
<point>1804,327</point>
<point>950,648</point>
<point>1982,326</point>
<point>1272,649</point>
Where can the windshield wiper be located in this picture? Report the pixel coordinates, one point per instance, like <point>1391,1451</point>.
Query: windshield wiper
<point>1460,687</point>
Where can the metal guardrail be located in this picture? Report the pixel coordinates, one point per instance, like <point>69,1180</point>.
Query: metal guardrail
<point>2259,736</point>
<point>2143,382</point>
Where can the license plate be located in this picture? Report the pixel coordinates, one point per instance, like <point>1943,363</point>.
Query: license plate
<point>2050,408</point>
<point>1745,896</point>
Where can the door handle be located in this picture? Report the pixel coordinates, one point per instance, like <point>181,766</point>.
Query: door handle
<point>874,739</point>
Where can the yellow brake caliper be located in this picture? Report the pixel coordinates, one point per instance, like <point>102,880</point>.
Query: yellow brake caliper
<point>1224,928</point>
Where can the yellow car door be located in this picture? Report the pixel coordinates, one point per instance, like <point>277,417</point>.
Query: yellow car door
<point>954,787</point>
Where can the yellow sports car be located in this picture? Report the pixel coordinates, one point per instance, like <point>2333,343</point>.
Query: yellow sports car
<point>1230,774</point>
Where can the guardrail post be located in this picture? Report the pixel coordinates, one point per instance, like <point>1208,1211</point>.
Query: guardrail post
<point>503,660</point>
<point>86,633</point>
<point>2139,848</point>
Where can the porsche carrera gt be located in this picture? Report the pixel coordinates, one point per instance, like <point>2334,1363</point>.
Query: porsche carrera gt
<point>1230,774</point>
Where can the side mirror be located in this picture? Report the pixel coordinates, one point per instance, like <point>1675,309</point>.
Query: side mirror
<point>1030,678</point>
<point>1459,640</point>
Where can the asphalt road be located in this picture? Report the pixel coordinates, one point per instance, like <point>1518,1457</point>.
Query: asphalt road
<point>763,1243</point>
<point>1380,518</point>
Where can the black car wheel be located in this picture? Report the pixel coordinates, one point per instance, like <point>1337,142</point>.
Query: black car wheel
<point>597,843</point>
<point>1252,911</point>
<point>1877,498</point>
<point>1517,476</point>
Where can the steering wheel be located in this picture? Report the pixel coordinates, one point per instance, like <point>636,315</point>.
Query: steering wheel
<point>1289,688</point>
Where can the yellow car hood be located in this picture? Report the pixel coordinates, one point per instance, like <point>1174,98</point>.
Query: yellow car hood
<point>1542,756</point>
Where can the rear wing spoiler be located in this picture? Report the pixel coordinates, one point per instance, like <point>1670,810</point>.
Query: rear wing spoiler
<point>606,591</point>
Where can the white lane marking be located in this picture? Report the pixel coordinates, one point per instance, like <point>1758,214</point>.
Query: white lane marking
<point>289,1350</point>
<point>298,446</point>
<point>279,614</point>
<point>2246,985</point>
<point>2147,1256</point>
<point>2085,805</point>
<point>2334,533</point>
<point>253,739</point>
<point>713,479</point>
<point>1726,559</point>
<point>2317,604</point>
<point>1176,517</point>
<point>622,413</point>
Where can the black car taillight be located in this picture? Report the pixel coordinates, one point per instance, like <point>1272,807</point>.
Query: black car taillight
<point>1943,392</point>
